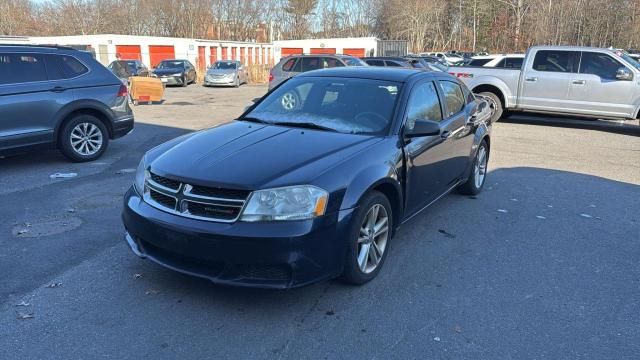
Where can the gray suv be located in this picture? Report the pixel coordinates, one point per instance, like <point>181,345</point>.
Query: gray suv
<point>59,97</point>
<point>295,64</point>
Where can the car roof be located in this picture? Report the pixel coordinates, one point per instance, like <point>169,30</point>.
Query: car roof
<point>367,72</point>
<point>36,48</point>
<point>395,58</point>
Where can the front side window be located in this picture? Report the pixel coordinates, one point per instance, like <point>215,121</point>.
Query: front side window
<point>556,61</point>
<point>22,68</point>
<point>599,64</point>
<point>454,99</point>
<point>348,105</point>
<point>331,63</point>
<point>423,104</point>
<point>374,62</point>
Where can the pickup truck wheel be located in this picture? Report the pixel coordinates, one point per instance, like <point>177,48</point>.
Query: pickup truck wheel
<point>478,175</point>
<point>84,138</point>
<point>369,238</point>
<point>495,103</point>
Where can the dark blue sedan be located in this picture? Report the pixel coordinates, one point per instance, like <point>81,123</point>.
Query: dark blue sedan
<point>312,181</point>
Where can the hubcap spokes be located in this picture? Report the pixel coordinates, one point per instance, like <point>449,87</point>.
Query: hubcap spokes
<point>288,101</point>
<point>480,168</point>
<point>372,240</point>
<point>86,139</point>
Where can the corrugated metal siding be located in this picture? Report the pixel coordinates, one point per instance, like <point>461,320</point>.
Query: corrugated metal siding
<point>392,47</point>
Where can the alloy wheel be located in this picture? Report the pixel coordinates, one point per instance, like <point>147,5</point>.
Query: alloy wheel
<point>373,237</point>
<point>480,168</point>
<point>86,139</point>
<point>289,101</point>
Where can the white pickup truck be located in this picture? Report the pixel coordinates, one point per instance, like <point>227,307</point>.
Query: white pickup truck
<point>568,80</point>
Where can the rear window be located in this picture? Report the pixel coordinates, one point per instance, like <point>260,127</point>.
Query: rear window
<point>288,65</point>
<point>22,68</point>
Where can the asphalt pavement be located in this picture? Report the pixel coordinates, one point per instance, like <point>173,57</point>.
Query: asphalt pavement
<point>544,264</point>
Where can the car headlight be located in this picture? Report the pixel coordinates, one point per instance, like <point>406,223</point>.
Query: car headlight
<point>142,173</point>
<point>286,203</point>
<point>176,74</point>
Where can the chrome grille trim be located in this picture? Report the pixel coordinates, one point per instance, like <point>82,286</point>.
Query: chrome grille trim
<point>183,196</point>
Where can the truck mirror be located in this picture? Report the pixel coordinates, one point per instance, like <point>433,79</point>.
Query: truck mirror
<point>624,74</point>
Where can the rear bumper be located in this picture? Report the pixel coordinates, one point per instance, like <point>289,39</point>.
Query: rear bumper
<point>123,126</point>
<point>267,255</point>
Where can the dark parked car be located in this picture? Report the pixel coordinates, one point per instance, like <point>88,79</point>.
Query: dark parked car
<point>312,181</point>
<point>391,61</point>
<point>124,69</point>
<point>59,97</point>
<point>176,72</point>
<point>296,64</point>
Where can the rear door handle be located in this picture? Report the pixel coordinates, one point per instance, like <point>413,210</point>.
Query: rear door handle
<point>58,89</point>
<point>531,79</point>
<point>579,82</point>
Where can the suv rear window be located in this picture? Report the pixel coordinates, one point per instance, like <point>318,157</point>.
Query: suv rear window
<point>22,68</point>
<point>71,67</point>
<point>288,65</point>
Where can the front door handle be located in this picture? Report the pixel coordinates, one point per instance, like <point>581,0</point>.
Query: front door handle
<point>58,89</point>
<point>579,82</point>
<point>531,79</point>
<point>445,134</point>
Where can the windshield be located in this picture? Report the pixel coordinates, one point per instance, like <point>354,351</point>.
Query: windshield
<point>224,65</point>
<point>347,105</point>
<point>352,61</point>
<point>170,64</point>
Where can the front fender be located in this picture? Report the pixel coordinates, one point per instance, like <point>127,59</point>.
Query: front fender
<point>369,179</point>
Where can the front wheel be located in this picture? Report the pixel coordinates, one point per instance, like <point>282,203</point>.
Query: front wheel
<point>478,175</point>
<point>369,239</point>
<point>185,81</point>
<point>494,103</point>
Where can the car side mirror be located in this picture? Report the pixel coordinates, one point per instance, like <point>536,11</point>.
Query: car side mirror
<point>624,74</point>
<point>422,128</point>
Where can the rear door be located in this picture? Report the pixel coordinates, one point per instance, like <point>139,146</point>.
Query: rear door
<point>545,84</point>
<point>595,89</point>
<point>32,91</point>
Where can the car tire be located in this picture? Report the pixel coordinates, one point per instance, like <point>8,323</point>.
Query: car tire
<point>83,138</point>
<point>237,83</point>
<point>478,175</point>
<point>185,81</point>
<point>496,104</point>
<point>366,252</point>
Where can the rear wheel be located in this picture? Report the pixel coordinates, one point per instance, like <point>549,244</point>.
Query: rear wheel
<point>478,175</point>
<point>83,138</point>
<point>369,239</point>
<point>495,103</point>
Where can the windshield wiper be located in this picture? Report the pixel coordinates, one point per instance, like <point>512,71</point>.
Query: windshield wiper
<point>255,120</point>
<point>307,125</point>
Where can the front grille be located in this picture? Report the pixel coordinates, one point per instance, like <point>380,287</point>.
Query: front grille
<point>162,199</point>
<point>168,183</point>
<point>213,211</point>
<point>197,202</point>
<point>220,193</point>
<point>264,272</point>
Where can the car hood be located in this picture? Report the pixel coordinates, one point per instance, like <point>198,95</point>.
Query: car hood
<point>221,71</point>
<point>168,71</point>
<point>251,156</point>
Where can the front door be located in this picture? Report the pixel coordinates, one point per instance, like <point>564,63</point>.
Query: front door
<point>423,154</point>
<point>545,85</point>
<point>595,89</point>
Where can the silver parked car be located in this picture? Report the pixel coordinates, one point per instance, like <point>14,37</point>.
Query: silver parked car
<point>226,72</point>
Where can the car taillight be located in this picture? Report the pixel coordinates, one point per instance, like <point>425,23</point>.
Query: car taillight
<point>270,77</point>
<point>123,91</point>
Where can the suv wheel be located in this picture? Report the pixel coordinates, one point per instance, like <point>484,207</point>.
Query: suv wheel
<point>84,138</point>
<point>369,239</point>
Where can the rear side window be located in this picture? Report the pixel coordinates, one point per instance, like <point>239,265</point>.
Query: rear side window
<point>479,62</point>
<point>394,63</point>
<point>599,64</point>
<point>22,68</point>
<point>556,61</point>
<point>71,67</point>
<point>288,65</point>
<point>500,63</point>
<point>375,62</point>
<point>311,63</point>
<point>423,104</point>
<point>352,61</point>
<point>453,97</point>
<point>513,63</point>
